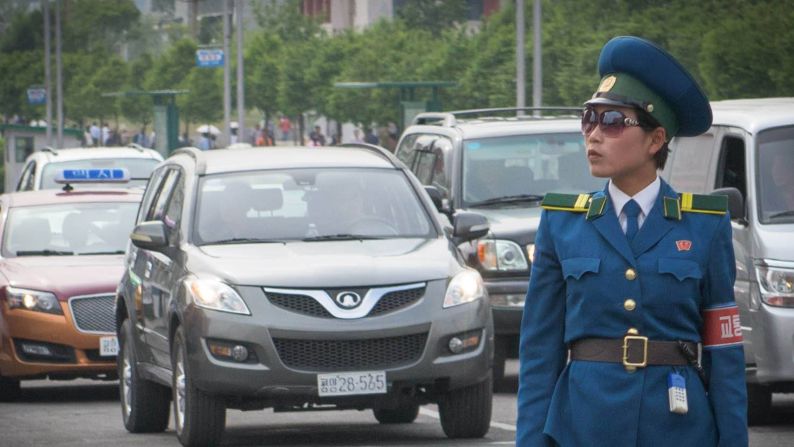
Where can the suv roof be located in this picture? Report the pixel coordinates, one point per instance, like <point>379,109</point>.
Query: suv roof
<point>248,159</point>
<point>481,123</point>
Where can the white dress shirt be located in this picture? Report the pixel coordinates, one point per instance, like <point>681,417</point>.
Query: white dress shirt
<point>645,199</point>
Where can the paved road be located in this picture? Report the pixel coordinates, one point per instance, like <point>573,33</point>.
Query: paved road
<point>86,413</point>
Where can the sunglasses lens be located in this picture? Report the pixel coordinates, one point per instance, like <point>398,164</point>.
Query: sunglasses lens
<point>612,123</point>
<point>589,121</point>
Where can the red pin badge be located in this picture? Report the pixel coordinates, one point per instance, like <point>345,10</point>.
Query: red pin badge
<point>683,245</point>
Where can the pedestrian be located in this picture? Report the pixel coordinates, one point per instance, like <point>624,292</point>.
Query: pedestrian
<point>370,137</point>
<point>630,335</point>
<point>95,134</point>
<point>204,142</point>
<point>87,138</point>
<point>316,136</point>
<point>285,126</point>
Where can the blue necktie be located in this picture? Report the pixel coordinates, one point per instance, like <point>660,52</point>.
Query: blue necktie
<point>632,211</point>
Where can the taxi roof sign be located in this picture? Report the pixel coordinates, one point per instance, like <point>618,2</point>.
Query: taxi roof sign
<point>106,175</point>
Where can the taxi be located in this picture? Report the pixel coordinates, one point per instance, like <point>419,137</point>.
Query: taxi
<point>61,257</point>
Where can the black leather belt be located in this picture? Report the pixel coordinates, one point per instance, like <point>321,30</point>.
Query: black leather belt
<point>631,351</point>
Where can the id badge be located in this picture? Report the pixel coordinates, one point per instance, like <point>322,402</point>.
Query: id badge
<point>676,392</point>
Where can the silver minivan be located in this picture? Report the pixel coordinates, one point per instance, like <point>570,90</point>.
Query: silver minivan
<point>748,154</point>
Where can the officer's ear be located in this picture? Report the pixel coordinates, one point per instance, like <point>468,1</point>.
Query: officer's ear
<point>657,137</point>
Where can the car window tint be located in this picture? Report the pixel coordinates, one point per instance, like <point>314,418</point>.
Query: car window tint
<point>26,179</point>
<point>157,211</point>
<point>152,190</point>
<point>174,209</point>
<point>775,177</point>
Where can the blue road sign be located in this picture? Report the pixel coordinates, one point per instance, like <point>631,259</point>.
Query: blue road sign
<point>209,57</point>
<point>37,96</point>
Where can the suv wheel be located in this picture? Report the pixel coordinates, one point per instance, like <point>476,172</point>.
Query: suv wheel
<point>759,404</point>
<point>466,412</point>
<point>404,414</point>
<point>9,389</point>
<point>199,418</point>
<point>144,404</point>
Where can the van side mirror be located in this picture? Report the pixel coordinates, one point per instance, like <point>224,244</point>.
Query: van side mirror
<point>150,235</point>
<point>470,226</point>
<point>735,202</point>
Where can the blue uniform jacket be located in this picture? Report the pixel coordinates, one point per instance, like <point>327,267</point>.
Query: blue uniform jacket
<point>578,289</point>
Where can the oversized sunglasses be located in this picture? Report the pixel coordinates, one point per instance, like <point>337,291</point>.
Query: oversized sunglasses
<point>610,122</point>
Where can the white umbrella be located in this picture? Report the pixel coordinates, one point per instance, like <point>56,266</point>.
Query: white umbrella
<point>208,128</point>
<point>233,124</point>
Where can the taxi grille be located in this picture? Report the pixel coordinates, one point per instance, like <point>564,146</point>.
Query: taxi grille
<point>93,314</point>
<point>335,355</point>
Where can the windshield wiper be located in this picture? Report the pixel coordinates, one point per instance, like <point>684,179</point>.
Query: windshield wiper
<point>782,214</point>
<point>508,199</point>
<point>246,240</point>
<point>114,252</point>
<point>341,237</point>
<point>44,253</point>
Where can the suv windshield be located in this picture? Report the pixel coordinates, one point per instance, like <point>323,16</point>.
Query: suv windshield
<point>776,176</point>
<point>140,170</point>
<point>524,167</point>
<point>68,229</point>
<point>310,205</point>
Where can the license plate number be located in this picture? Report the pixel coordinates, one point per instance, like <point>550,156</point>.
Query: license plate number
<point>350,383</point>
<point>108,346</point>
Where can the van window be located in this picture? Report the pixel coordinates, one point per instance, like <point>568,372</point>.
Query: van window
<point>690,163</point>
<point>775,175</point>
<point>732,172</point>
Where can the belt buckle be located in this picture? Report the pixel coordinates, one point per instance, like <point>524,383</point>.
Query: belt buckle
<point>626,362</point>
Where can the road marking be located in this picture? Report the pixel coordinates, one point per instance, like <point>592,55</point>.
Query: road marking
<point>434,414</point>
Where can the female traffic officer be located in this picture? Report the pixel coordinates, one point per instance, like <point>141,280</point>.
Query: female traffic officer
<point>630,335</point>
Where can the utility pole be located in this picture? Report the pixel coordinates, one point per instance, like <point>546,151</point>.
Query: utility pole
<point>240,82</point>
<point>537,60</point>
<point>227,92</point>
<point>521,76</point>
<point>192,18</point>
<point>59,72</point>
<point>45,7</point>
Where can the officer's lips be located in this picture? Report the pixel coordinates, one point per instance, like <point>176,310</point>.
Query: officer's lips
<point>593,155</point>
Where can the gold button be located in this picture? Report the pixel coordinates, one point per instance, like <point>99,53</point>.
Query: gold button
<point>632,331</point>
<point>631,274</point>
<point>629,304</point>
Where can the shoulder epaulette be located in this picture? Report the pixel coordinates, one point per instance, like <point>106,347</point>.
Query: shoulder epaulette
<point>577,203</point>
<point>695,203</point>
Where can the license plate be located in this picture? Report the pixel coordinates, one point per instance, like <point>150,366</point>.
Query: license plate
<point>108,346</point>
<point>350,383</point>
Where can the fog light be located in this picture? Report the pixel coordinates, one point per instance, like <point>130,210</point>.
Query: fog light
<point>455,345</point>
<point>467,341</point>
<point>240,353</point>
<point>36,349</point>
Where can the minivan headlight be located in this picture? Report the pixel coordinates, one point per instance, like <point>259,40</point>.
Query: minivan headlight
<point>215,295</point>
<point>34,300</point>
<point>776,284</point>
<point>501,255</point>
<point>465,287</point>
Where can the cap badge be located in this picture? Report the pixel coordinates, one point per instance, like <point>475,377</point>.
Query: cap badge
<point>607,84</point>
<point>649,108</point>
<point>683,245</point>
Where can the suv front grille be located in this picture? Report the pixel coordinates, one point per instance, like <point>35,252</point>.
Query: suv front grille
<point>93,314</point>
<point>302,304</point>
<point>336,355</point>
<point>396,300</point>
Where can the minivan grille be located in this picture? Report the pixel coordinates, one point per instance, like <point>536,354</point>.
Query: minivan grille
<point>335,355</point>
<point>93,314</point>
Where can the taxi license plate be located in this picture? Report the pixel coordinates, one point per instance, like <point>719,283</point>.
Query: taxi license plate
<point>108,346</point>
<point>350,383</point>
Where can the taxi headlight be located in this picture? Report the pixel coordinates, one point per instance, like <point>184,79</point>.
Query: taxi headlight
<point>215,295</point>
<point>776,284</point>
<point>465,287</point>
<point>34,300</point>
<point>501,255</point>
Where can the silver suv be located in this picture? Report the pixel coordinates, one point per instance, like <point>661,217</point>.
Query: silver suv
<point>297,278</point>
<point>499,164</point>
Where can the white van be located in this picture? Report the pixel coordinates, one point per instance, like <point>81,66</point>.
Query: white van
<point>748,154</point>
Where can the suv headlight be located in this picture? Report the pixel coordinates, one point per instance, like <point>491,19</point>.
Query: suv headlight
<point>501,255</point>
<point>776,284</point>
<point>34,300</point>
<point>215,295</point>
<point>465,287</point>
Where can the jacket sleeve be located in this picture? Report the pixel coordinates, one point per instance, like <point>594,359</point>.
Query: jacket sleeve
<point>723,354</point>
<point>542,350</point>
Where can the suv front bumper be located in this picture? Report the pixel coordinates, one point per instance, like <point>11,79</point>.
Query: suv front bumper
<point>507,302</point>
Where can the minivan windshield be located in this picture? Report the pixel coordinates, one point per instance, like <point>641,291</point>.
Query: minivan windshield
<point>522,168</point>
<point>776,175</point>
<point>308,205</point>
<point>139,168</point>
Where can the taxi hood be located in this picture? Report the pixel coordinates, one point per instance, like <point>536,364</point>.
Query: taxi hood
<point>327,263</point>
<point>65,276</point>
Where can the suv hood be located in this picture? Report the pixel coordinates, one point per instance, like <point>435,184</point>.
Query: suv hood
<point>328,263</point>
<point>518,224</point>
<point>65,276</point>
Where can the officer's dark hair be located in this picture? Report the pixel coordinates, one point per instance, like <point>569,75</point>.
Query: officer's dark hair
<point>649,123</point>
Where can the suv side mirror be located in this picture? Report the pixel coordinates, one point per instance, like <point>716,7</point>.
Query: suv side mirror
<point>470,226</point>
<point>735,202</point>
<point>150,235</point>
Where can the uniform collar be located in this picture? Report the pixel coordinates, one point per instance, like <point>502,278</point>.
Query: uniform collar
<point>645,198</point>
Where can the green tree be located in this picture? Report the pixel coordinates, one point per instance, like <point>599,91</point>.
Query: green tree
<point>433,16</point>
<point>18,71</point>
<point>263,60</point>
<point>285,19</point>
<point>137,108</point>
<point>97,25</point>
<point>202,103</point>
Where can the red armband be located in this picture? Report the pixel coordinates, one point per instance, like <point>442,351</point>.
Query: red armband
<point>721,327</point>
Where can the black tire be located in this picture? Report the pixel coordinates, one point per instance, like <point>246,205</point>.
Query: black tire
<point>404,414</point>
<point>466,412</point>
<point>759,404</point>
<point>144,404</point>
<point>202,419</point>
<point>499,360</point>
<point>9,389</point>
